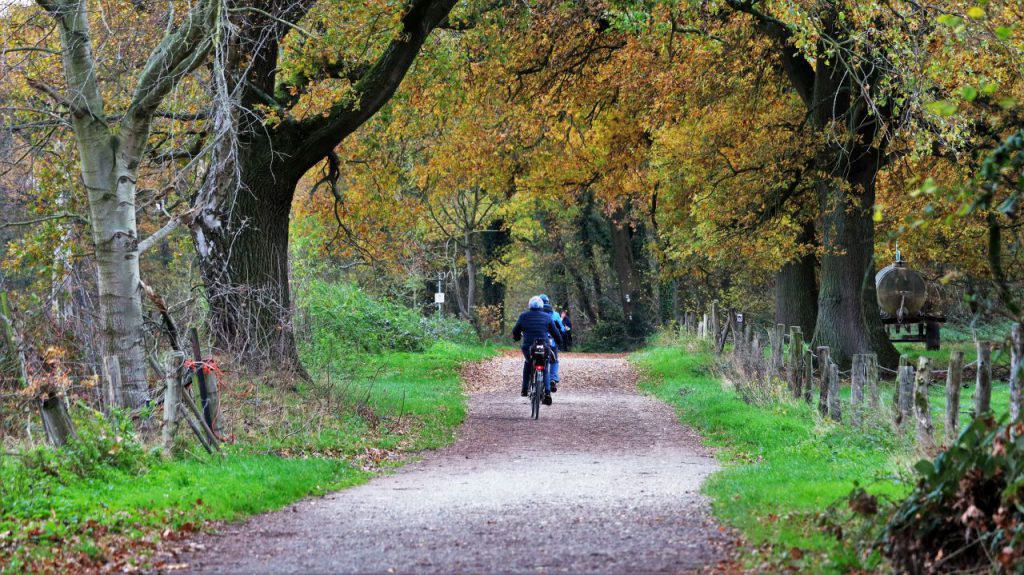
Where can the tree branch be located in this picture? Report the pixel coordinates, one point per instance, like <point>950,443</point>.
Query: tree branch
<point>323,132</point>
<point>159,235</point>
<point>62,215</point>
<point>797,68</point>
<point>177,54</point>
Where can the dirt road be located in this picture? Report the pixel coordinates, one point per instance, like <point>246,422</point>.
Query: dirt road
<point>606,481</point>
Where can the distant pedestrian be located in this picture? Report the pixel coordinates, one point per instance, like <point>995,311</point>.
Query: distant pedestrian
<point>567,324</point>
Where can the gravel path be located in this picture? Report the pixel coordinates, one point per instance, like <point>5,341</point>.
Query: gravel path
<point>606,481</point>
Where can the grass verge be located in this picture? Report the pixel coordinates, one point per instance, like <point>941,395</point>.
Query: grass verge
<point>105,502</point>
<point>784,465</point>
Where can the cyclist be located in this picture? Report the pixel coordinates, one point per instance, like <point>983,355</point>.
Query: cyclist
<point>557,318</point>
<point>532,325</point>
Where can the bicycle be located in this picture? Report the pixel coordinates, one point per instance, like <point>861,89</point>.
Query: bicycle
<point>539,362</point>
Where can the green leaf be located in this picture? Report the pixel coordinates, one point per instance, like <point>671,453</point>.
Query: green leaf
<point>1004,32</point>
<point>969,93</point>
<point>1008,103</point>
<point>943,108</point>
<point>976,12</point>
<point>925,467</point>
<point>950,20</point>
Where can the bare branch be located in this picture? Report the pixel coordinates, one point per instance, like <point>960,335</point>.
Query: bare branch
<point>159,235</point>
<point>60,216</point>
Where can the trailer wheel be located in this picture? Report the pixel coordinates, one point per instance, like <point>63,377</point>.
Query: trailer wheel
<point>932,335</point>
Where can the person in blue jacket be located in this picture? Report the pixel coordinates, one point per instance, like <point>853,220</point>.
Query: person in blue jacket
<point>555,345</point>
<point>534,324</point>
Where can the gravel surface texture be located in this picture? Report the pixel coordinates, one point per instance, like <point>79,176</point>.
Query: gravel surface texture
<point>606,481</point>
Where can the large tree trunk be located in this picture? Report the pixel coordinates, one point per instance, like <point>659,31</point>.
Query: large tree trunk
<point>492,292</point>
<point>796,289</point>
<point>848,316</point>
<point>241,226</point>
<point>242,246</point>
<point>625,269</point>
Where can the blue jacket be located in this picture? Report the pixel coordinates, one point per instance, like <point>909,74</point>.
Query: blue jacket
<point>536,324</point>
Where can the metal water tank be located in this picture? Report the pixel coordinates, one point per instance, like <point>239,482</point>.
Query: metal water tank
<point>901,291</point>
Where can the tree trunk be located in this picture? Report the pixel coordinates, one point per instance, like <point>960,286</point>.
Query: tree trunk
<point>242,244</point>
<point>470,307</point>
<point>625,270</point>
<point>848,319</point>
<point>796,289</point>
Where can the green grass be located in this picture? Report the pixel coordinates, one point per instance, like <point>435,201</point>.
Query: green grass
<point>306,443</point>
<point>784,465</point>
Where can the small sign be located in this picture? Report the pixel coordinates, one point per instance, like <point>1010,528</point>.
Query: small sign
<point>439,297</point>
<point>739,318</point>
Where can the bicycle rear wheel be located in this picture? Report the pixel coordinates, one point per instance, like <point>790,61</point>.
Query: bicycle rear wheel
<point>538,394</point>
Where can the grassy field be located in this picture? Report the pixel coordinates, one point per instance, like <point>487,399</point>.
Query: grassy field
<point>103,495</point>
<point>783,464</point>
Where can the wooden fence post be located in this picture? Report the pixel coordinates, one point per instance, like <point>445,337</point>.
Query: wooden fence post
<point>713,322</point>
<point>172,398</point>
<point>858,375</point>
<point>796,353</point>
<point>834,409</point>
<point>871,373</point>
<point>112,383</point>
<point>1016,375</point>
<point>808,378</point>
<point>896,391</point>
<point>904,391</point>
<point>983,391</point>
<point>778,336</point>
<point>201,379</point>
<point>953,378</point>
<point>922,412</point>
<point>824,371</point>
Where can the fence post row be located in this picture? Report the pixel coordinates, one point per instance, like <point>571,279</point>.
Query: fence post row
<point>910,398</point>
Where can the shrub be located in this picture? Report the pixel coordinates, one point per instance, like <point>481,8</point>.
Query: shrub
<point>341,318</point>
<point>607,335</point>
<point>966,512</point>
<point>99,449</point>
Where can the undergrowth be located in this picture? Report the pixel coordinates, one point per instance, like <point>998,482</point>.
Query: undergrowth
<point>789,477</point>
<point>106,500</point>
